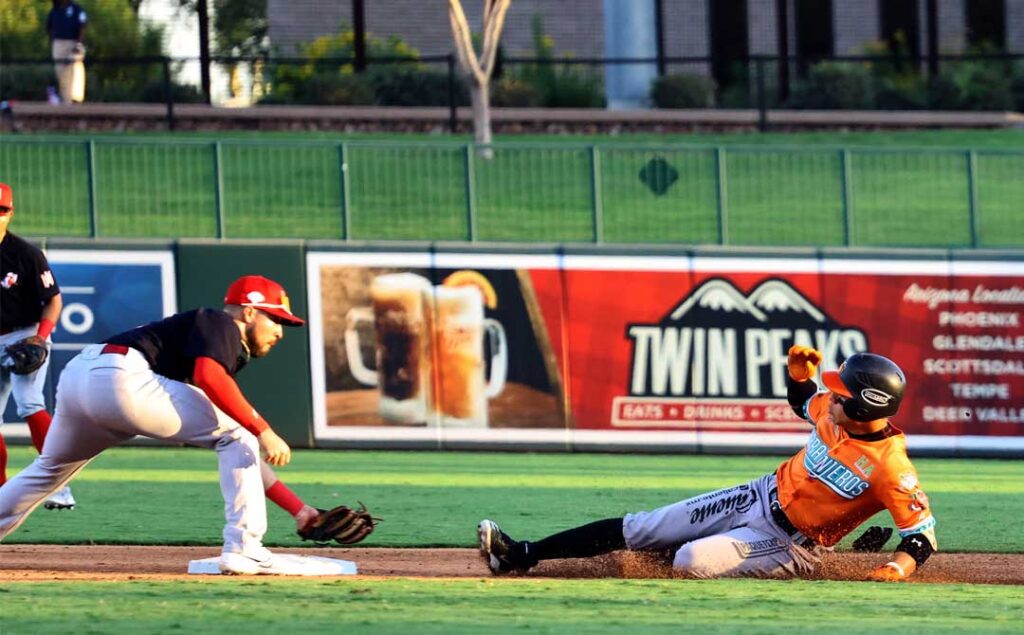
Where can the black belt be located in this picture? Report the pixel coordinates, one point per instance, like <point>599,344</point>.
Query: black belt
<point>785,524</point>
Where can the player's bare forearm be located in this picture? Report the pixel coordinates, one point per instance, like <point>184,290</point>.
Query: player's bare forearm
<point>268,474</point>
<point>47,320</point>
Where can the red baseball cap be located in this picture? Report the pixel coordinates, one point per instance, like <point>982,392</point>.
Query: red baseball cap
<point>265,295</point>
<point>6,197</point>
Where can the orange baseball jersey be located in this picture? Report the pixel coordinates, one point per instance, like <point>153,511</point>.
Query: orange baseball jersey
<point>837,482</point>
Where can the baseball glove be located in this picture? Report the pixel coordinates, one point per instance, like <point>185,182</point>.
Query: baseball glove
<point>24,357</point>
<point>342,524</point>
<point>873,539</point>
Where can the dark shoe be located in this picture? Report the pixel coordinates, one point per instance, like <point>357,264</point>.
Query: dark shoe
<point>498,550</point>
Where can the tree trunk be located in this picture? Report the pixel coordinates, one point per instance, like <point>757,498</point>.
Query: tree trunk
<point>480,99</point>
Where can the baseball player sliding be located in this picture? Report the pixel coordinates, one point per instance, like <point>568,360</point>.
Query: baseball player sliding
<point>854,465</point>
<point>174,380</point>
<point>31,303</point>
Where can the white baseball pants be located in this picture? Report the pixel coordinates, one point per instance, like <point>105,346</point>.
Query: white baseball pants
<point>70,69</point>
<point>104,399</point>
<point>727,533</point>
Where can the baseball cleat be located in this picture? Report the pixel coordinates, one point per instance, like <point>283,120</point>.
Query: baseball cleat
<point>61,499</point>
<point>232,563</point>
<point>497,549</point>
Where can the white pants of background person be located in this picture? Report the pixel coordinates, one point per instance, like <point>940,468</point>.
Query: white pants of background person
<point>27,389</point>
<point>104,399</point>
<point>729,532</point>
<point>70,69</point>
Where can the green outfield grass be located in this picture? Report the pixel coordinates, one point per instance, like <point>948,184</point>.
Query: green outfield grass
<point>502,606</point>
<point>171,496</point>
<point>436,499</point>
<point>779,189</point>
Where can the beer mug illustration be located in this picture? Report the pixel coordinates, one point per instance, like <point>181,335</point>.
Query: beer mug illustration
<point>461,389</point>
<point>401,316</point>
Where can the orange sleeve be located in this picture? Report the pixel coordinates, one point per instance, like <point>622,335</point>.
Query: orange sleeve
<point>210,377</point>
<point>908,504</point>
<point>817,406</point>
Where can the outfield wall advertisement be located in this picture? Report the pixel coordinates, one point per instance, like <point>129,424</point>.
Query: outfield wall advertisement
<point>104,292</point>
<point>683,351</point>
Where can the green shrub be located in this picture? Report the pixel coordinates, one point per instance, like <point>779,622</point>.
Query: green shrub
<point>898,82</point>
<point>835,85</point>
<point>571,87</point>
<point>684,90</point>
<point>26,82</point>
<point>901,93</point>
<point>1017,85</point>
<point>331,88</point>
<point>320,80</point>
<point>407,85</point>
<point>180,93</point>
<point>973,85</point>
<point>511,92</point>
<point>557,85</point>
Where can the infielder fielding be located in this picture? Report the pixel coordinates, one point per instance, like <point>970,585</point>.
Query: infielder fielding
<point>135,383</point>
<point>30,304</point>
<point>854,465</point>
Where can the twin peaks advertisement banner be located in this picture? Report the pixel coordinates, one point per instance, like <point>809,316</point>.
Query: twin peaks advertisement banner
<point>578,347</point>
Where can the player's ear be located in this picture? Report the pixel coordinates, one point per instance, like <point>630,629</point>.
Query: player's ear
<point>249,314</point>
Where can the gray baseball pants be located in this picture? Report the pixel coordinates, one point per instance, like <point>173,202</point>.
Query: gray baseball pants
<point>727,533</point>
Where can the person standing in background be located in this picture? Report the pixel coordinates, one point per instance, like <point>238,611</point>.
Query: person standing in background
<point>31,303</point>
<point>66,26</point>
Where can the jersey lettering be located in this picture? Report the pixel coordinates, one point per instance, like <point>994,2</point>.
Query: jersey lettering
<point>47,279</point>
<point>839,478</point>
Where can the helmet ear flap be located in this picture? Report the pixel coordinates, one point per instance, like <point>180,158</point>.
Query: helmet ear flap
<point>856,410</point>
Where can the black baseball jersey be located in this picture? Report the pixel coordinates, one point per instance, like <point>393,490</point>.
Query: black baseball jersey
<point>26,284</point>
<point>171,345</point>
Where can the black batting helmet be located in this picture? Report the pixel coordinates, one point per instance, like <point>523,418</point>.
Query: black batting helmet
<point>873,386</point>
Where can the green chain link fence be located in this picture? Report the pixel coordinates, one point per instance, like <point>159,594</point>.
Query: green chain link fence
<point>551,192</point>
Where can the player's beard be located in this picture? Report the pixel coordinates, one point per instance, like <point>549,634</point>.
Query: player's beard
<point>255,350</point>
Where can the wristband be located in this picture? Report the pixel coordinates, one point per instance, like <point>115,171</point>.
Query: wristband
<point>897,567</point>
<point>45,328</point>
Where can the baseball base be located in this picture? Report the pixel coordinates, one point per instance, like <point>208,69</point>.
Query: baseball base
<point>285,564</point>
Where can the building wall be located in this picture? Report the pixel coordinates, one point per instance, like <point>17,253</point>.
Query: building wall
<point>761,23</point>
<point>952,26</point>
<point>686,34</point>
<point>575,26</point>
<point>854,25</point>
<point>1015,26</point>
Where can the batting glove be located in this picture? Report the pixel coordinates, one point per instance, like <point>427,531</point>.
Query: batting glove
<point>803,362</point>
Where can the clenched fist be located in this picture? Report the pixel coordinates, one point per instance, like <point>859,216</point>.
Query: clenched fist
<point>803,362</point>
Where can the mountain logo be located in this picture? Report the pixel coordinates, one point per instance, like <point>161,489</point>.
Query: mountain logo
<point>719,342</point>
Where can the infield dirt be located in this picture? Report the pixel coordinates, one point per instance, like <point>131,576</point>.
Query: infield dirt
<point>35,563</point>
